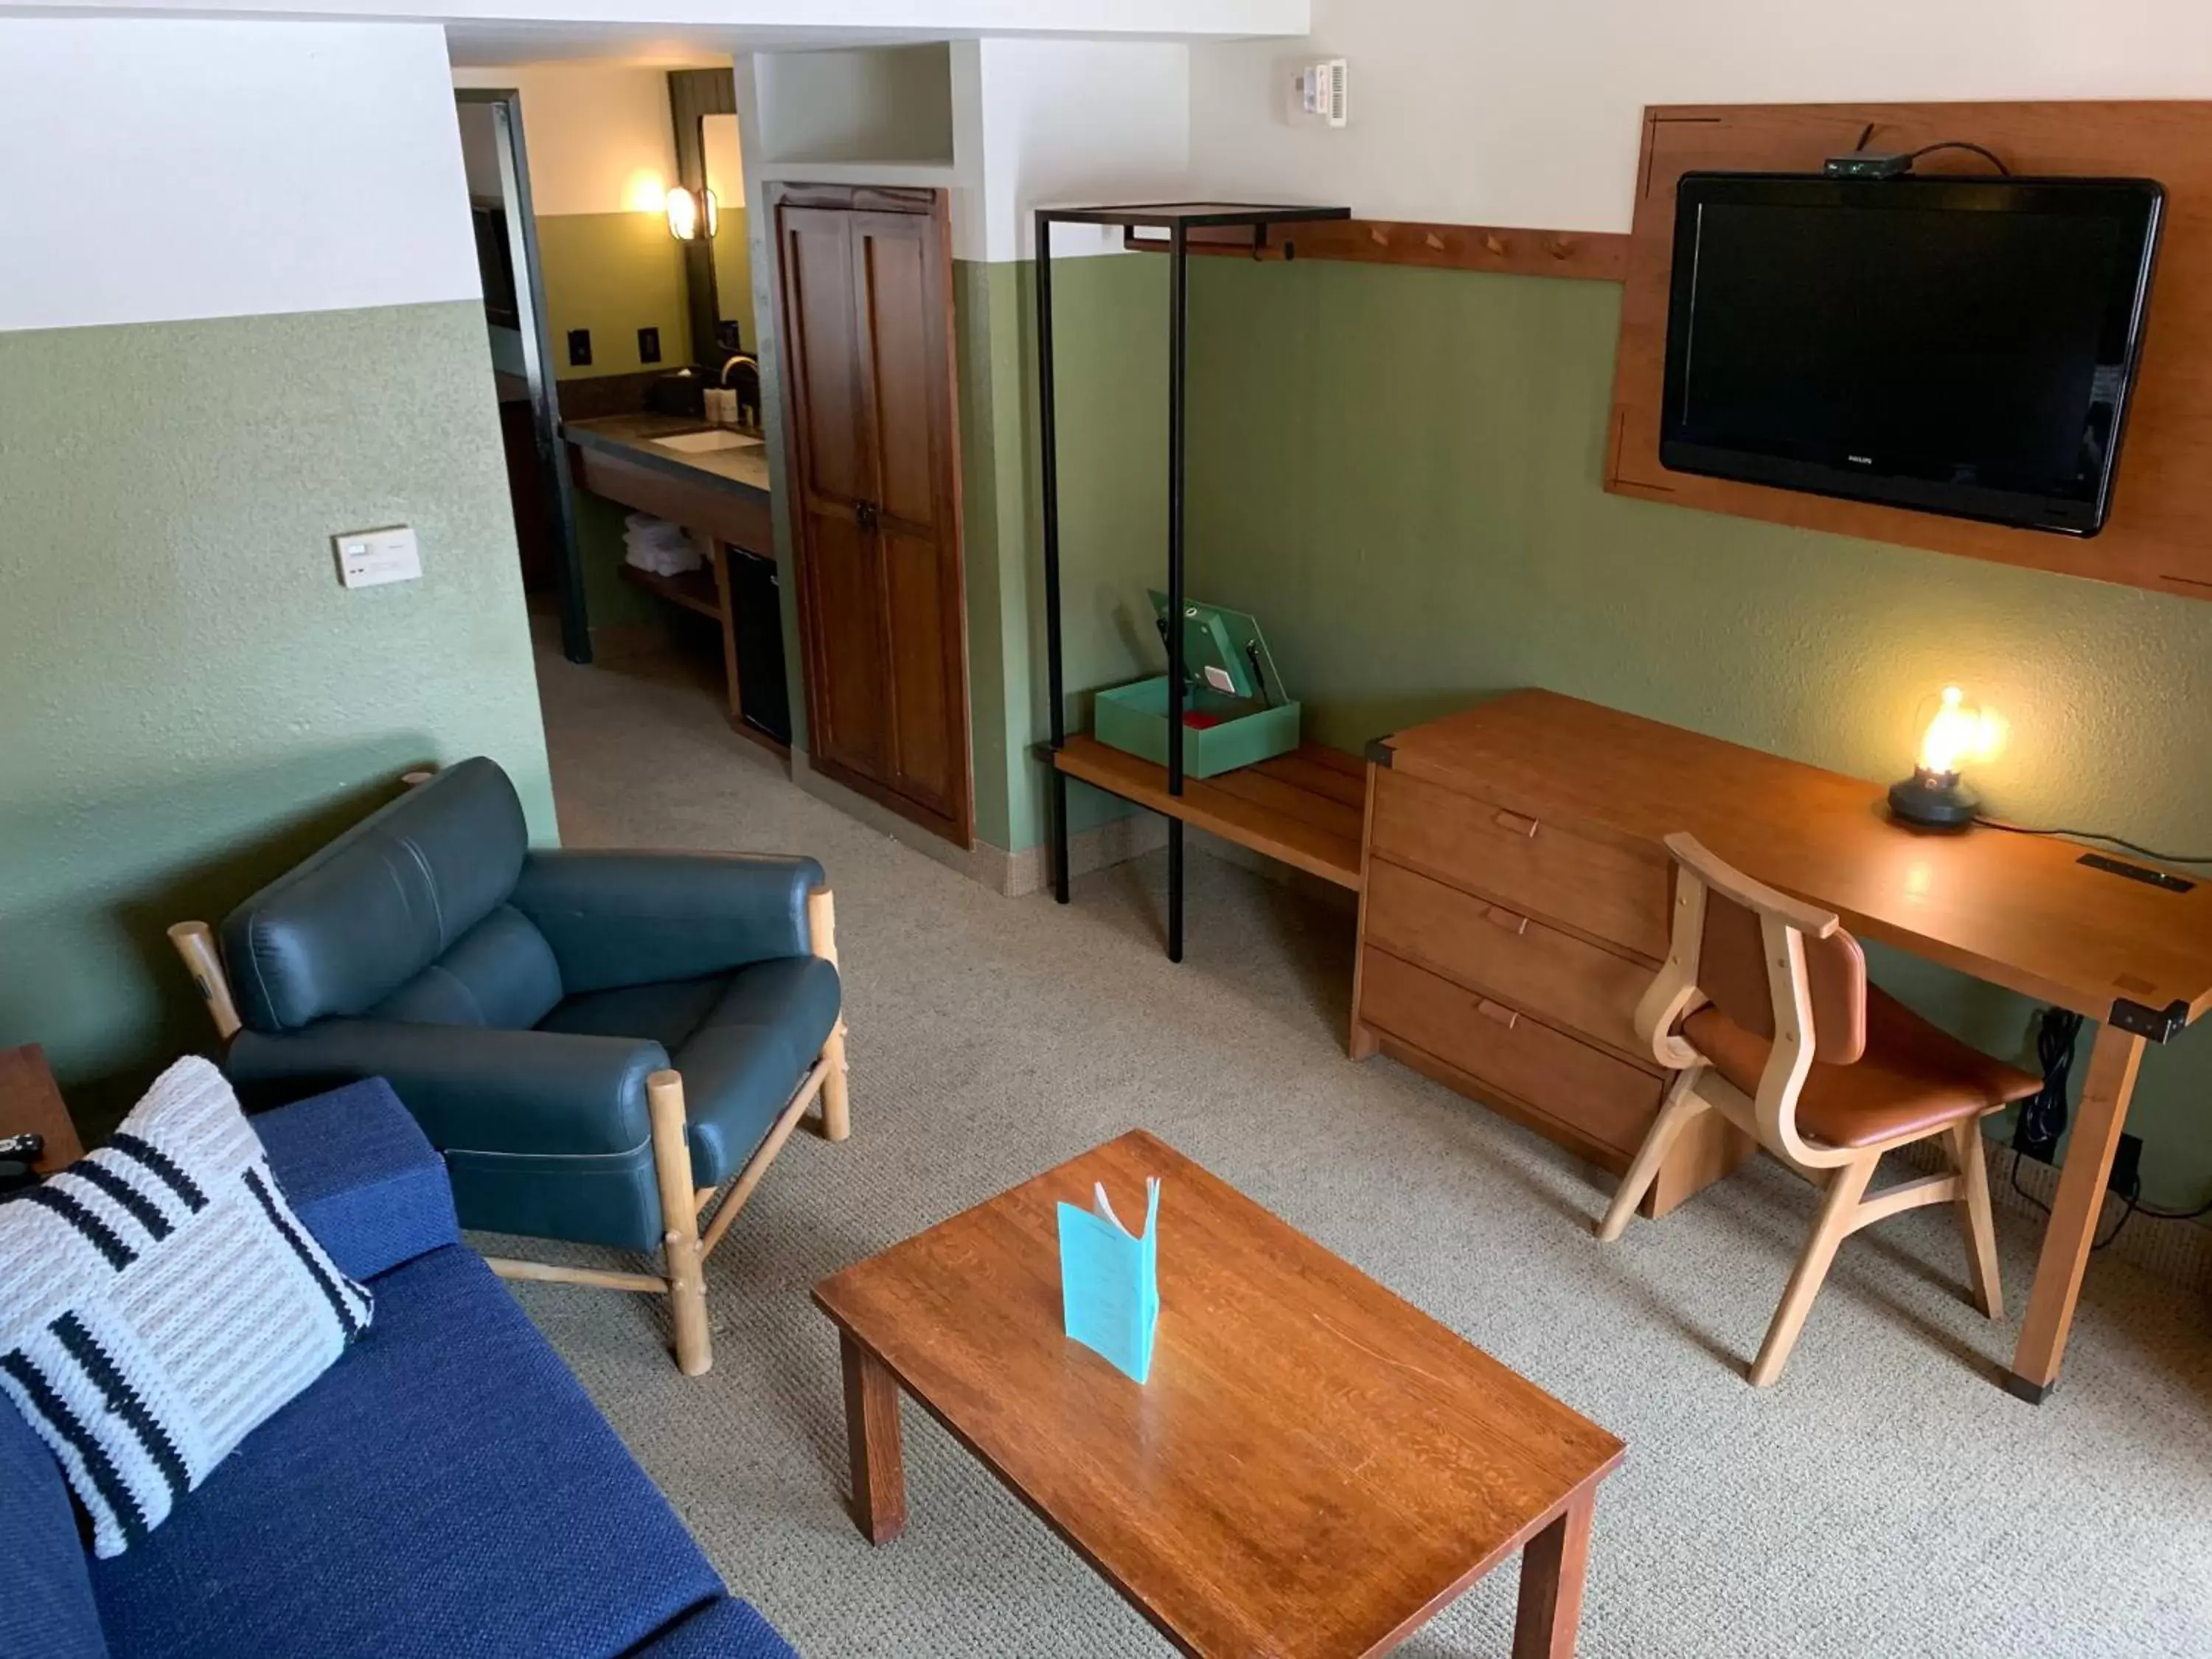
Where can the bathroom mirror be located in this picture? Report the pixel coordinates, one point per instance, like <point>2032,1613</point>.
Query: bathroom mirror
<point>733,248</point>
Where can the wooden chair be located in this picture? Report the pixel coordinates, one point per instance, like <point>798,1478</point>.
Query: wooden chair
<point>1763,1006</point>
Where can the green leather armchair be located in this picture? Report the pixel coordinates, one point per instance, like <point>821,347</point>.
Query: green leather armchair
<point>600,1044</point>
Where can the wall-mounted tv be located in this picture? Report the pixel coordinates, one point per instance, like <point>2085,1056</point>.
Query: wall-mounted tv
<point>1964,346</point>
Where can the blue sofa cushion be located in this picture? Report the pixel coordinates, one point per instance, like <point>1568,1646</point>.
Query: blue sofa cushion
<point>445,1489</point>
<point>727,1628</point>
<point>742,1041</point>
<point>48,1613</point>
<point>362,1177</point>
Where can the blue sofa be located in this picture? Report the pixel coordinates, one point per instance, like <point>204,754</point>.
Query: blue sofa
<point>445,1489</point>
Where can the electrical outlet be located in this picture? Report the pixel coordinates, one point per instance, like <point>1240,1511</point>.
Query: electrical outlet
<point>2127,1166</point>
<point>579,348</point>
<point>649,345</point>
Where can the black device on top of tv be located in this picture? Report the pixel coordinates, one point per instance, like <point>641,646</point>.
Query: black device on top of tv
<point>1959,345</point>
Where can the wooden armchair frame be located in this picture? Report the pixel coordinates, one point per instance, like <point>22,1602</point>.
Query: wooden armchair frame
<point>695,1218</point>
<point>1785,924</point>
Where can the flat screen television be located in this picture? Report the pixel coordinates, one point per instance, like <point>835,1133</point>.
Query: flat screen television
<point>1963,346</point>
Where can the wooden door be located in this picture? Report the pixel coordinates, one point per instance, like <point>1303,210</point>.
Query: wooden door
<point>869,397</point>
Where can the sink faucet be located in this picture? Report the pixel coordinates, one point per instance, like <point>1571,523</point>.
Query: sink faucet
<point>735,358</point>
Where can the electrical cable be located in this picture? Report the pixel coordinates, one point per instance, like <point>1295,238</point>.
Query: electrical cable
<point>1988,156</point>
<point>2043,1118</point>
<point>2094,834</point>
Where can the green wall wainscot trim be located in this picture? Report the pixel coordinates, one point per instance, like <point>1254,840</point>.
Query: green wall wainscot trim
<point>193,702</point>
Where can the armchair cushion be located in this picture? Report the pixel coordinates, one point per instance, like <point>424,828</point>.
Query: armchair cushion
<point>343,931</point>
<point>742,1041</point>
<point>360,1177</point>
<point>619,919</point>
<point>500,973</point>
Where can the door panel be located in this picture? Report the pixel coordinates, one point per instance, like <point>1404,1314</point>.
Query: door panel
<point>900,326</point>
<point>823,349</point>
<point>925,715</point>
<point>844,587</point>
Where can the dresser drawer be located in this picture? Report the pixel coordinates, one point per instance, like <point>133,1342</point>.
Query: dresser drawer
<point>1606,891</point>
<point>1552,974</point>
<point>1599,1098</point>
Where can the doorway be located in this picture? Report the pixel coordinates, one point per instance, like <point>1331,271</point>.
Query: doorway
<point>538,484</point>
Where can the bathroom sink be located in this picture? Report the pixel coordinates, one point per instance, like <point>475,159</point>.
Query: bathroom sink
<point>699,443</point>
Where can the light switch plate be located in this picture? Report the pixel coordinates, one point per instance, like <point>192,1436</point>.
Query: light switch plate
<point>369,558</point>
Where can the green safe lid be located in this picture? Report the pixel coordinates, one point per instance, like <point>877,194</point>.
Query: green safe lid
<point>1224,651</point>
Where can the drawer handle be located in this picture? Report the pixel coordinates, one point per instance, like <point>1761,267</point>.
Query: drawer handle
<point>1497,1011</point>
<point>1512,922</point>
<point>1516,824</point>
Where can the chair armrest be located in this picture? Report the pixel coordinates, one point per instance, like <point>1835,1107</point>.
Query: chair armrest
<point>361,1176</point>
<point>471,1088</point>
<point>616,919</point>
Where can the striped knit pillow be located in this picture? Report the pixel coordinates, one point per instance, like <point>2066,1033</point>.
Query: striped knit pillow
<point>159,1300</point>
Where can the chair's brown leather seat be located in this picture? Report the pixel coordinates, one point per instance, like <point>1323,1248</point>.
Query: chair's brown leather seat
<point>1913,1080</point>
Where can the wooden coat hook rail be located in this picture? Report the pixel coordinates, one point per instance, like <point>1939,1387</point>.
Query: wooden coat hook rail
<point>1599,255</point>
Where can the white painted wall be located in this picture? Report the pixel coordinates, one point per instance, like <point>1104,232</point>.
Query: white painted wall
<point>600,139</point>
<point>1482,111</point>
<point>1067,123</point>
<point>258,168</point>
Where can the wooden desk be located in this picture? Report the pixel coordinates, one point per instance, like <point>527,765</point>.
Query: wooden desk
<point>1314,1467</point>
<point>31,1104</point>
<point>2020,911</point>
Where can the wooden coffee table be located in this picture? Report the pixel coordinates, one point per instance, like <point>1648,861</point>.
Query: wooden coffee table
<point>1315,1468</point>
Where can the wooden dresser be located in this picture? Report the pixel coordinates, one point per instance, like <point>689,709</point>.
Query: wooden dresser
<point>1506,933</point>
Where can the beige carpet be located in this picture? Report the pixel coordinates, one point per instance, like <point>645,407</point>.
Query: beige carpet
<point>1886,1499</point>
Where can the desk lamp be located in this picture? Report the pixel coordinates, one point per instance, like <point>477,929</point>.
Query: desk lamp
<point>1955,730</point>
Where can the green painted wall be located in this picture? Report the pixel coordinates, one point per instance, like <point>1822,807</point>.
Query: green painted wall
<point>1110,334</point>
<point>191,702</point>
<point>613,273</point>
<point>1399,471</point>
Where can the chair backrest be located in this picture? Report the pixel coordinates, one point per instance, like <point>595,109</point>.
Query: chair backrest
<point>404,916</point>
<point>1783,971</point>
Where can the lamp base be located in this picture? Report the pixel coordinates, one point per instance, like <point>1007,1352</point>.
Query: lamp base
<point>1933,800</point>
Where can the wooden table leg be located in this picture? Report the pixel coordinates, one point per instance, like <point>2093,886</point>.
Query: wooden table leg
<point>871,1435</point>
<point>2104,1112</point>
<point>1553,1565</point>
<point>726,590</point>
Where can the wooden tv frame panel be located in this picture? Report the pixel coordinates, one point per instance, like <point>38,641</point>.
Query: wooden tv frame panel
<point>2159,532</point>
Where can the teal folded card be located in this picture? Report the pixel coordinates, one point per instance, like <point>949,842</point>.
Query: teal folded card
<point>1109,1282</point>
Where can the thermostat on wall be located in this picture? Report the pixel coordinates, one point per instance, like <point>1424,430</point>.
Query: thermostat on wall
<point>1320,91</point>
<point>369,558</point>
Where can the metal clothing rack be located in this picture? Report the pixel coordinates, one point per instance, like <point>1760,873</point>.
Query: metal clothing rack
<point>1208,223</point>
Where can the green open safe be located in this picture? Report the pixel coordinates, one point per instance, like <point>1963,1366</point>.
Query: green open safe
<point>1235,712</point>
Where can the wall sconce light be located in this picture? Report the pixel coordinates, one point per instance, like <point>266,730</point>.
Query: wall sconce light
<point>685,217</point>
<point>1953,732</point>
